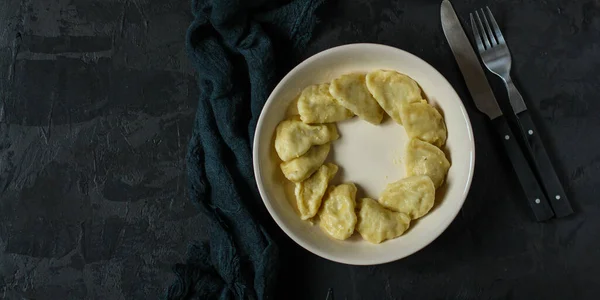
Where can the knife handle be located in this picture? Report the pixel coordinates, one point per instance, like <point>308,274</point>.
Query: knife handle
<point>554,190</point>
<point>535,196</point>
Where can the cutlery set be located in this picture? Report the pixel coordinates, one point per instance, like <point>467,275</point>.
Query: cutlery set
<point>522,144</point>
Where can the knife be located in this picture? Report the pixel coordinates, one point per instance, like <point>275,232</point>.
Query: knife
<point>485,102</point>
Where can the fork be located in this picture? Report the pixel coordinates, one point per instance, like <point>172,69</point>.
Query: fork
<point>496,57</point>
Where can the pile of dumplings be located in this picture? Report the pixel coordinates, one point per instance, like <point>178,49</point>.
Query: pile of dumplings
<point>303,143</point>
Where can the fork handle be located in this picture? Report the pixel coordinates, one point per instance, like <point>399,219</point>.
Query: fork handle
<point>554,190</point>
<point>514,97</point>
<point>535,196</point>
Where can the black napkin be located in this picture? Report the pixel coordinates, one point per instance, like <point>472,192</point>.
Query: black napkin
<point>231,45</point>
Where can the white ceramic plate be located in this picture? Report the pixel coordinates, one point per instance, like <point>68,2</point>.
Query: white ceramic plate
<point>368,155</point>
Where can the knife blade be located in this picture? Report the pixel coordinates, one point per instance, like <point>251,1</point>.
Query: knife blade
<point>485,102</point>
<point>468,63</point>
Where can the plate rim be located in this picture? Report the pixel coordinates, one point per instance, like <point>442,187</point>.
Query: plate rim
<point>281,223</point>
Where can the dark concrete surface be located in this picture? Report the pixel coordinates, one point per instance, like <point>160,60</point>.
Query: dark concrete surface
<point>96,104</point>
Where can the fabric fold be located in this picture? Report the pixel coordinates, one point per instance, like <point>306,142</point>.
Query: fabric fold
<point>230,44</point>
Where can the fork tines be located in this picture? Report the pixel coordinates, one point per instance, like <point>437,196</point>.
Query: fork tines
<point>489,36</point>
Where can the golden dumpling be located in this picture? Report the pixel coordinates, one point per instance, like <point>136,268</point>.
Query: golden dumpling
<point>423,158</point>
<point>413,196</point>
<point>294,137</point>
<point>392,90</point>
<point>316,105</point>
<point>309,193</point>
<point>298,169</point>
<point>351,92</point>
<point>377,224</point>
<point>424,122</point>
<point>337,216</point>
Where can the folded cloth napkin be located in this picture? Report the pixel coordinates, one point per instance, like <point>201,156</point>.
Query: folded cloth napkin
<point>232,45</point>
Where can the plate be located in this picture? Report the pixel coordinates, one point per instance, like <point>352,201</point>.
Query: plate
<point>368,155</point>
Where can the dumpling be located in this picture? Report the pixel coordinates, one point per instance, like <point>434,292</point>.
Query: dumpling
<point>424,122</point>
<point>423,158</point>
<point>298,169</point>
<point>351,92</point>
<point>293,137</point>
<point>309,192</point>
<point>413,196</point>
<point>377,224</point>
<point>316,105</point>
<point>337,216</point>
<point>392,90</point>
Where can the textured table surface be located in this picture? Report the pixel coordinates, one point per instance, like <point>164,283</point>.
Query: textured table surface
<point>96,104</point>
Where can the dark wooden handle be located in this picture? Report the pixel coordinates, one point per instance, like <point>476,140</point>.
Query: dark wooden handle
<point>535,196</point>
<point>554,190</point>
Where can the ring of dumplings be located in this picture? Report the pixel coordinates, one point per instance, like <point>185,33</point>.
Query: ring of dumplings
<point>303,143</point>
